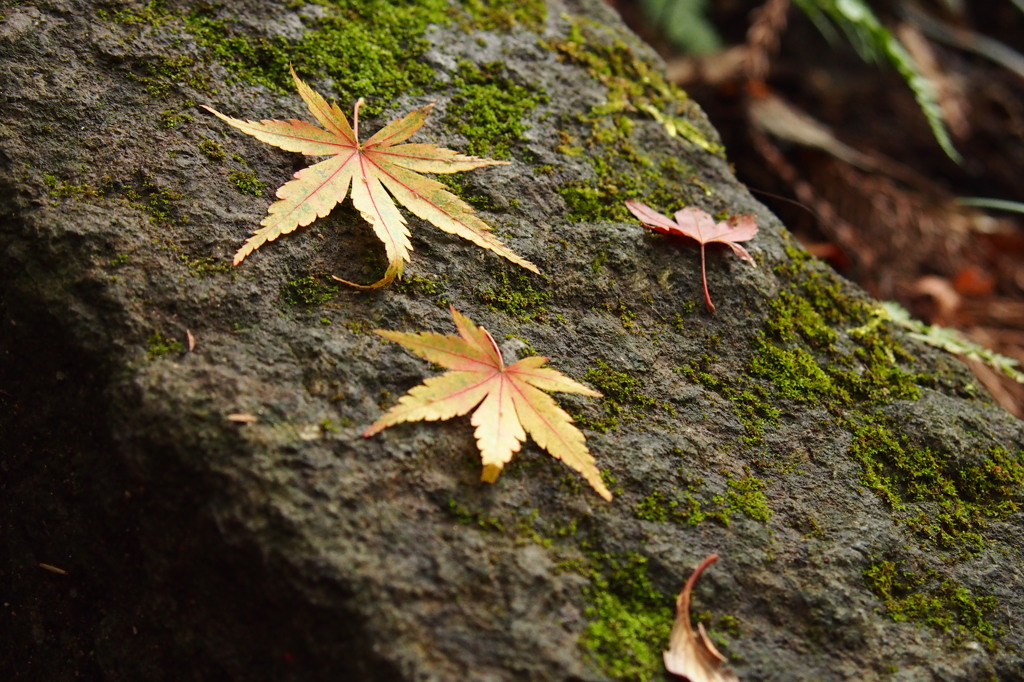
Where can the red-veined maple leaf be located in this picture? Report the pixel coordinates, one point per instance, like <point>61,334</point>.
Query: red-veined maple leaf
<point>697,224</point>
<point>372,169</point>
<point>511,399</point>
<point>692,654</point>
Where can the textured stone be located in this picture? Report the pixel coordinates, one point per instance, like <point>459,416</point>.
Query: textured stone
<point>197,548</point>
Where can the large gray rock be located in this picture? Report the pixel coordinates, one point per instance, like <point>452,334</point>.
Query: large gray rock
<point>862,494</point>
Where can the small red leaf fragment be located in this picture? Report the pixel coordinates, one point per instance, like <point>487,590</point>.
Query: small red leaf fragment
<point>691,654</point>
<point>699,225</point>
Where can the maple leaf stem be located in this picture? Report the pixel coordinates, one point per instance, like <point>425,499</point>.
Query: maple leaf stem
<point>704,277</point>
<point>355,119</point>
<point>708,560</point>
<point>394,270</point>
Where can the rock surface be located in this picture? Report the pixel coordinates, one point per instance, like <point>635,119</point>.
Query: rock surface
<point>861,493</point>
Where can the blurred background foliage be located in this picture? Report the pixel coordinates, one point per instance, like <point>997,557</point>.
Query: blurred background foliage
<point>887,134</point>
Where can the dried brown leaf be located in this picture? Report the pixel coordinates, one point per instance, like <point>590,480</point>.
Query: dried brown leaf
<point>691,654</point>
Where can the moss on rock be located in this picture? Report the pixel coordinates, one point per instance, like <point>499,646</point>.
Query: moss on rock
<point>515,295</point>
<point>622,167</point>
<point>488,107</point>
<point>922,596</point>
<point>308,291</point>
<point>629,619</point>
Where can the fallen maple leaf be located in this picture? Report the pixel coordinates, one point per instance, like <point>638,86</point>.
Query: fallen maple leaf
<point>697,224</point>
<point>511,402</point>
<point>368,167</point>
<point>691,654</point>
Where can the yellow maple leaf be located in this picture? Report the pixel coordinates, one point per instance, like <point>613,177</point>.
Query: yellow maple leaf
<point>368,168</point>
<point>511,399</point>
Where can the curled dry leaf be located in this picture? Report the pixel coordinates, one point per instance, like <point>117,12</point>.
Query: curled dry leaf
<point>376,171</point>
<point>697,224</point>
<point>691,654</point>
<point>511,399</point>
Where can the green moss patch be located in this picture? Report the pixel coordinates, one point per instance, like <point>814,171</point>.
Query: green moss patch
<point>158,345</point>
<point>423,286</point>
<point>207,266</point>
<point>144,194</point>
<point>799,351</point>
<point>159,203</point>
<point>163,75</point>
<point>922,596</point>
<point>367,48</point>
<point>488,108</point>
<point>308,291</point>
<point>462,514</point>
<point>945,502</point>
<point>212,150</point>
<point>629,619</point>
<point>798,358</point>
<point>622,400</point>
<point>64,189</point>
<point>515,295</point>
<point>505,15</point>
<point>743,496</point>
<point>463,187</point>
<point>371,48</point>
<point>246,182</point>
<point>172,118</point>
<point>622,172</point>
<point>752,402</point>
<point>635,88</point>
